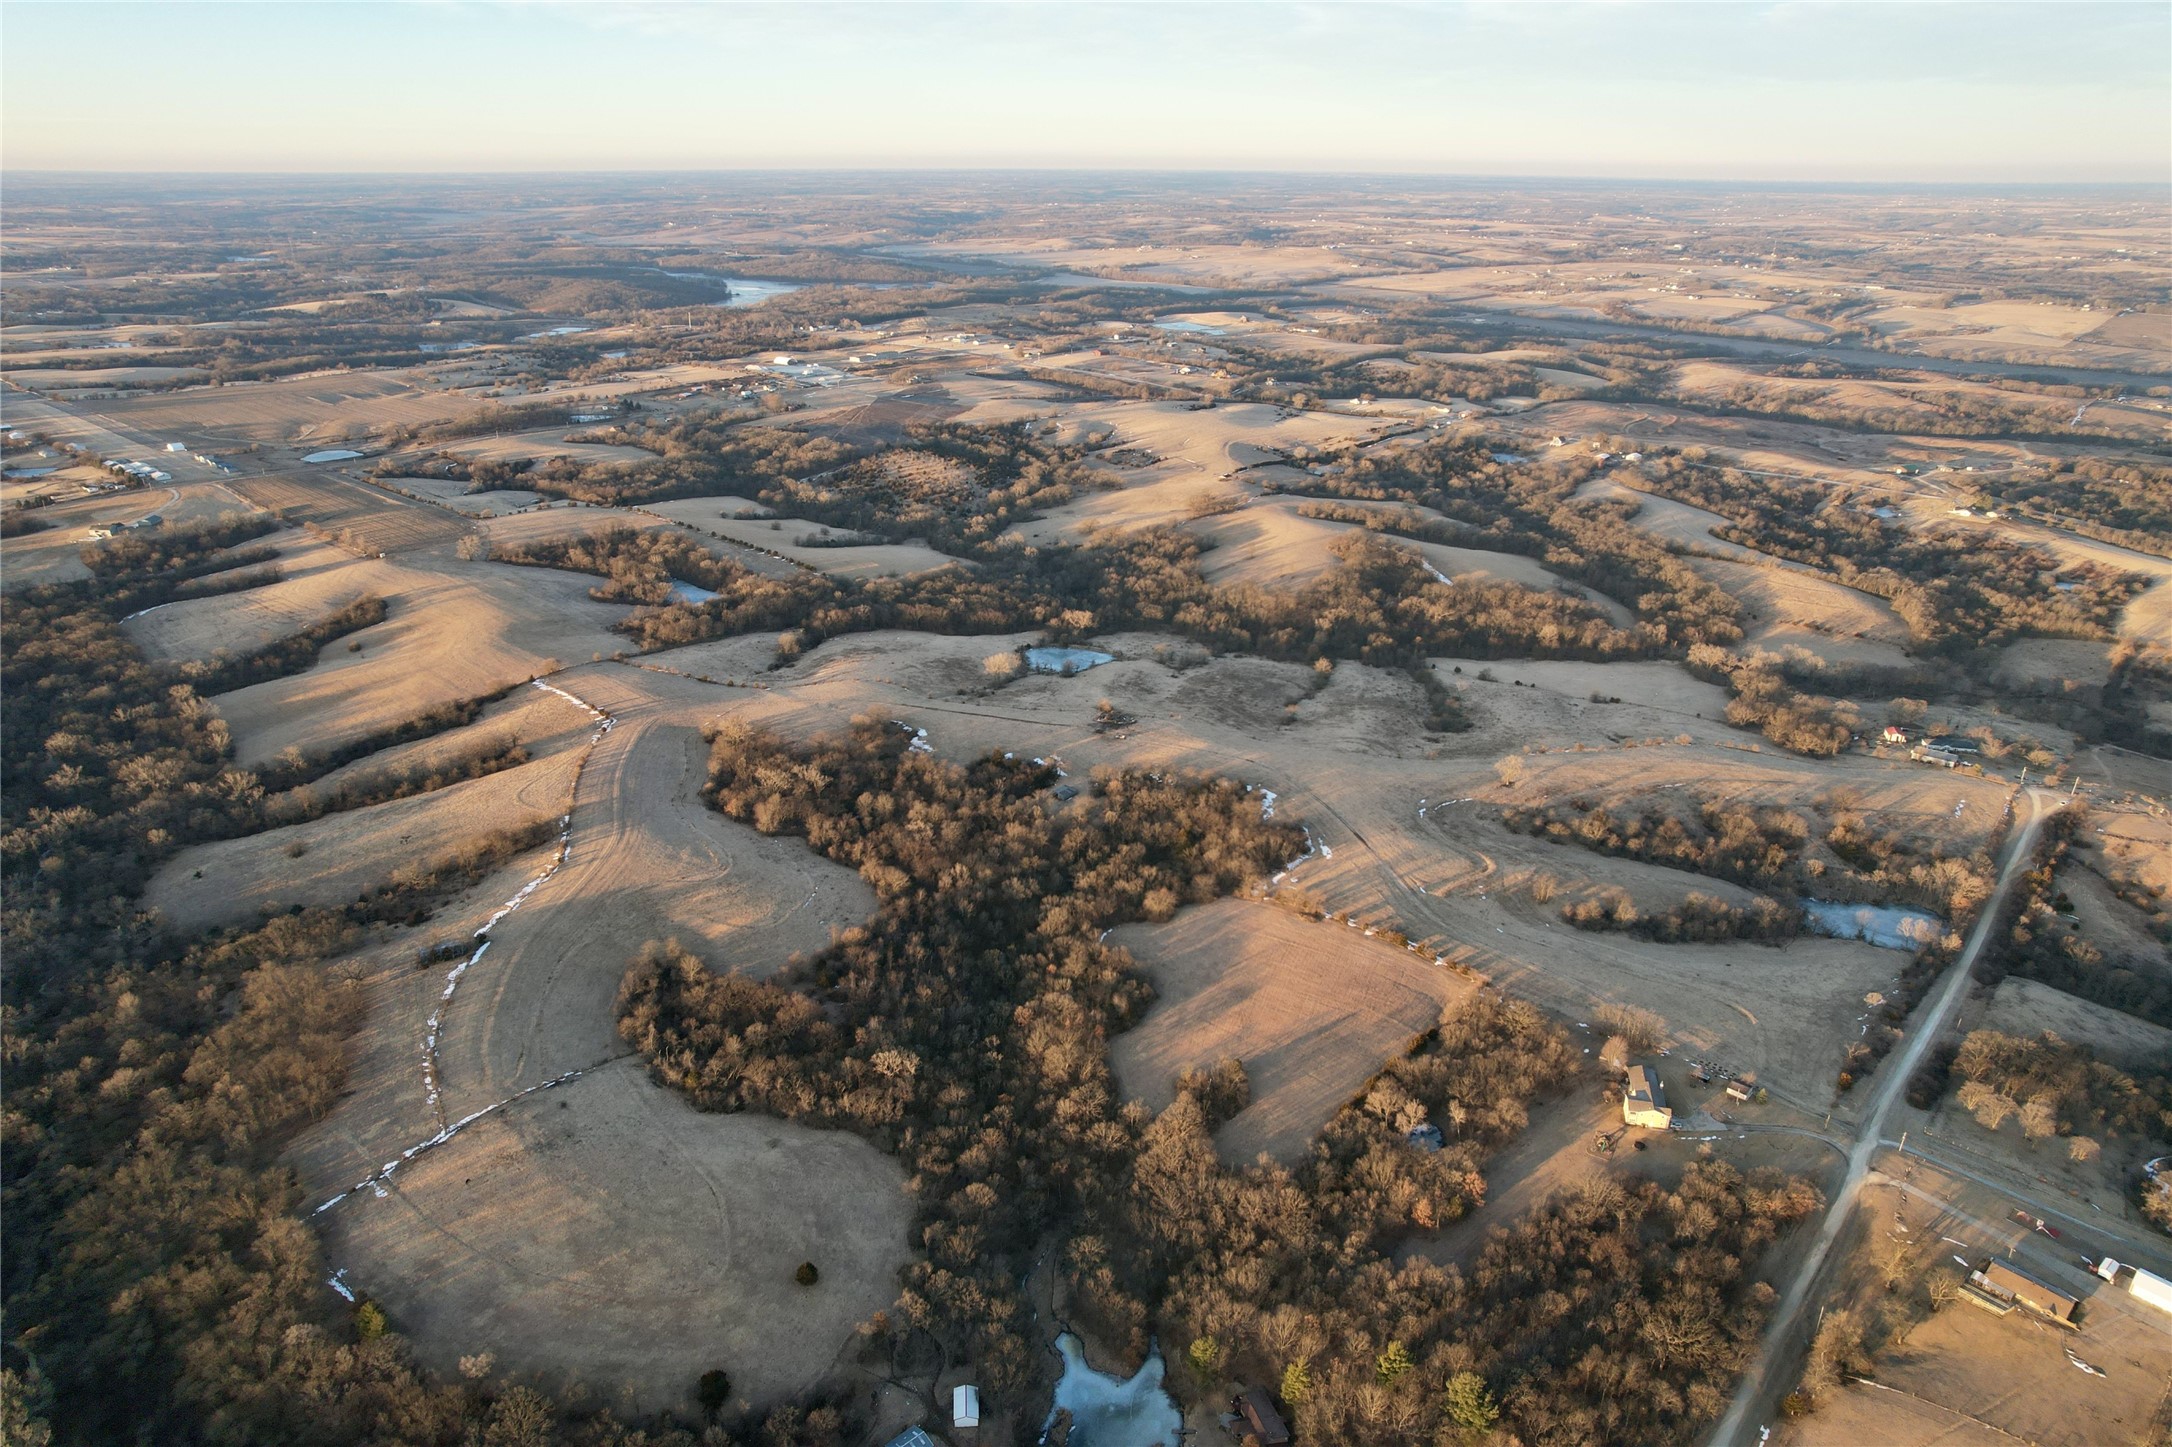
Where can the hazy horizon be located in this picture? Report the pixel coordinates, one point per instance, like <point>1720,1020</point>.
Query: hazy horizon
<point>1814,94</point>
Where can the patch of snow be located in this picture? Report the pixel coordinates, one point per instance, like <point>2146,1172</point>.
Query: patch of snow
<point>433,1028</point>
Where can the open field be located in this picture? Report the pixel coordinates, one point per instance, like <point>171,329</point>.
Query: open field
<point>2026,1008</point>
<point>541,446</point>
<point>376,520</point>
<point>318,409</point>
<point>55,555</point>
<point>1312,1009</point>
<point>527,1240</point>
<point>454,630</point>
<point>327,862</point>
<point>718,516</point>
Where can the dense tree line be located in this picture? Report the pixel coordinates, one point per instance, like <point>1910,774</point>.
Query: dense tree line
<point>293,768</point>
<point>1698,919</point>
<point>1854,858</point>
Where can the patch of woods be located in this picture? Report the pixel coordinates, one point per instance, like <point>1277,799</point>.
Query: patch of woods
<point>639,565</point>
<point>1925,409</point>
<point>1529,509</point>
<point>697,455</point>
<point>145,567</point>
<point>1834,852</point>
<point>965,1029</point>
<point>1471,500</point>
<point>2039,942</point>
<point>2056,1091</point>
<point>1380,607</point>
<point>2115,501</point>
<point>1956,593</point>
<point>160,1275</point>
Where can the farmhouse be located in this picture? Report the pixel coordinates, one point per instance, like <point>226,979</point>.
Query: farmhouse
<point>1894,734</point>
<point>2002,1287</point>
<point>1261,1420</point>
<point>1643,1102</point>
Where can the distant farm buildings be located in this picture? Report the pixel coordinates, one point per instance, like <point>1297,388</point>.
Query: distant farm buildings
<point>1643,1101</point>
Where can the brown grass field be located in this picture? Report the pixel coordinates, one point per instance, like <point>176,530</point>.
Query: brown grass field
<point>1312,1009</point>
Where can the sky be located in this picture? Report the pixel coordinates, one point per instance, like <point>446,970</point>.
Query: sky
<point>2048,92</point>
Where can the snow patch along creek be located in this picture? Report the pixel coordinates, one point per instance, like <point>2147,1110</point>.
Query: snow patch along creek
<point>434,1028</point>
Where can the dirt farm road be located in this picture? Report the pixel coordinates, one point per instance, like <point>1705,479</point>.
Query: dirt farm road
<point>1756,1386</point>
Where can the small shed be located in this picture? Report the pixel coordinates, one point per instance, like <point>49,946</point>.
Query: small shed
<point>1740,1090</point>
<point>965,1406</point>
<point>1643,1101</point>
<point>1261,1419</point>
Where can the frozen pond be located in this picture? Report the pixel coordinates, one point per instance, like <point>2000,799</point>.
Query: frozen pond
<point>746,292</point>
<point>688,593</point>
<point>1889,926</point>
<point>1107,1411</point>
<point>1056,660</point>
<point>1184,326</point>
<point>332,454</point>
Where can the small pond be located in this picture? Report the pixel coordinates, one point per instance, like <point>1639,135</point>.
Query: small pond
<point>688,593</point>
<point>1056,660</point>
<point>1888,926</point>
<point>1184,326</point>
<point>1109,1411</point>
